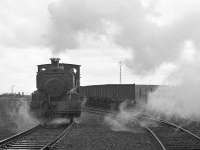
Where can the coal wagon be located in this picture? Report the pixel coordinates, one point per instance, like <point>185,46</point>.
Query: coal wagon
<point>108,96</point>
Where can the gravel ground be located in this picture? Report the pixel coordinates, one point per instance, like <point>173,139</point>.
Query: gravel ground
<point>5,133</point>
<point>92,134</point>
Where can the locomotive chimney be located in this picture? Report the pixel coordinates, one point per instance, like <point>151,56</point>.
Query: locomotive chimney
<point>55,61</point>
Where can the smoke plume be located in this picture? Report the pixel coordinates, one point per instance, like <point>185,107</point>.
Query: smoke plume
<point>154,36</point>
<point>134,24</point>
<point>130,23</point>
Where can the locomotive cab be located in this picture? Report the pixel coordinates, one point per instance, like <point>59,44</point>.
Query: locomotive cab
<point>57,92</point>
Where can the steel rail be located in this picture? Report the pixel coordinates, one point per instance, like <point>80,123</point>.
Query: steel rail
<point>156,137</point>
<point>49,145</point>
<point>181,129</point>
<point>18,135</point>
<point>100,112</point>
<point>175,125</point>
<point>38,137</point>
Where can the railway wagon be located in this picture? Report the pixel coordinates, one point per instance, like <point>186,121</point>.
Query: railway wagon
<point>108,96</point>
<point>142,92</point>
<point>57,92</point>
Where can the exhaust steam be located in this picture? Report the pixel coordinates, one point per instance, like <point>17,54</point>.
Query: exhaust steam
<point>14,115</point>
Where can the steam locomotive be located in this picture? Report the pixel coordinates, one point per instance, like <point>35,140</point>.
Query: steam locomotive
<point>57,93</point>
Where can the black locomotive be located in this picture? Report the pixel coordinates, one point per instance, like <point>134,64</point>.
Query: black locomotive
<point>57,93</point>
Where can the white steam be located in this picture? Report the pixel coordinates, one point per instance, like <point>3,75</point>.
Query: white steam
<point>59,121</point>
<point>128,119</point>
<point>181,100</point>
<point>22,117</point>
<point>15,115</point>
<point>135,25</point>
<point>175,102</point>
<point>132,24</point>
<point>155,30</point>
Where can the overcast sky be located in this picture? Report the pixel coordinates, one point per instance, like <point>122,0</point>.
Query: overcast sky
<point>148,36</point>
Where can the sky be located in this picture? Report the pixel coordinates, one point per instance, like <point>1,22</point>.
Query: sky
<point>148,36</point>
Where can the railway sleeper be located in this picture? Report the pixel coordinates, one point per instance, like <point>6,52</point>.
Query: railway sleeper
<point>30,143</point>
<point>174,147</point>
<point>23,148</point>
<point>25,144</point>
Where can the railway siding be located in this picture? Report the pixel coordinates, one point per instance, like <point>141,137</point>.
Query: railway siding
<point>192,126</point>
<point>174,137</point>
<point>93,134</point>
<point>167,135</point>
<point>39,137</point>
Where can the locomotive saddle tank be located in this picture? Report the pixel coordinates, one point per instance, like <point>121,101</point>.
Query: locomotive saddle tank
<point>57,93</point>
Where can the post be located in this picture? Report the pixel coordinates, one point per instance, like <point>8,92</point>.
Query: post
<point>120,72</point>
<point>12,89</point>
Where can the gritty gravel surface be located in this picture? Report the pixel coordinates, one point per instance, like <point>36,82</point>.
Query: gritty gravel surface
<point>5,133</point>
<point>92,134</point>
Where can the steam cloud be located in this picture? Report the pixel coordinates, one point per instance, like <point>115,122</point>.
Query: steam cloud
<point>14,115</point>
<point>183,99</point>
<point>130,24</point>
<point>176,102</point>
<point>132,27</point>
<point>128,119</point>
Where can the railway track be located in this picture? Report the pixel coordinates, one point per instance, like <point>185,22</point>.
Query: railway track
<point>167,135</point>
<point>193,127</point>
<point>170,136</point>
<point>158,145</point>
<point>39,137</point>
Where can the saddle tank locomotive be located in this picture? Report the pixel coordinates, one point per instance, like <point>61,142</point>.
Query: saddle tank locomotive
<point>57,93</point>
